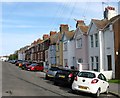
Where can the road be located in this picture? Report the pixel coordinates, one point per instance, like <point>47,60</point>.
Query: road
<point>17,82</point>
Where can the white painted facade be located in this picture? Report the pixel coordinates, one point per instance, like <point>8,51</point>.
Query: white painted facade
<point>52,55</point>
<point>81,50</point>
<point>21,56</point>
<point>109,49</point>
<point>4,58</point>
<point>21,53</point>
<point>93,51</point>
<point>104,50</point>
<point>69,54</point>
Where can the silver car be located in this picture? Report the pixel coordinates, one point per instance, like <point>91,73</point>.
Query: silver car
<point>50,74</point>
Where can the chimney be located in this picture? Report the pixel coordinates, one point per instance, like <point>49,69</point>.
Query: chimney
<point>80,23</point>
<point>109,12</point>
<point>52,32</point>
<point>39,40</point>
<point>45,36</point>
<point>34,42</point>
<point>64,27</point>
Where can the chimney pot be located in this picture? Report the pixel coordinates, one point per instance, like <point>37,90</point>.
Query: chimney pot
<point>45,36</point>
<point>52,32</point>
<point>64,27</point>
<point>79,23</point>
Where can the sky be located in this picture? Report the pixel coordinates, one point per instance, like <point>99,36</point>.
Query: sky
<point>22,21</point>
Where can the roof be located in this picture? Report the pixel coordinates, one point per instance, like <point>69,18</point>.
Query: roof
<point>97,73</point>
<point>84,28</point>
<point>100,23</point>
<point>69,34</point>
<point>114,18</point>
<point>53,38</point>
<point>59,37</point>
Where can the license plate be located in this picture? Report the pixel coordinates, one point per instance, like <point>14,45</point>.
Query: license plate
<point>61,76</point>
<point>50,76</point>
<point>82,87</point>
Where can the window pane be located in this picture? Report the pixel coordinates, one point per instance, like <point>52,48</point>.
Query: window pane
<point>91,40</point>
<point>79,43</point>
<point>96,40</point>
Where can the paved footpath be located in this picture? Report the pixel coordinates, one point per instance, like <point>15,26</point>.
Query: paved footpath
<point>115,89</point>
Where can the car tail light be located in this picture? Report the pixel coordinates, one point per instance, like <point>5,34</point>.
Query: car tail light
<point>70,75</point>
<point>75,78</point>
<point>32,67</point>
<point>94,81</point>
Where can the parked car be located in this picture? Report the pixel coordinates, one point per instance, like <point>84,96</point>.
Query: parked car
<point>65,76</point>
<point>25,65</point>
<point>18,61</point>
<point>13,61</point>
<point>51,72</point>
<point>90,82</point>
<point>35,67</point>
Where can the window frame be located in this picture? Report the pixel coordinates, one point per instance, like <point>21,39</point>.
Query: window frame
<point>96,39</point>
<point>79,43</point>
<point>91,41</point>
<point>65,46</point>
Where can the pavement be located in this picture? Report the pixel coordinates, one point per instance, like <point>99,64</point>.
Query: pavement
<point>114,89</point>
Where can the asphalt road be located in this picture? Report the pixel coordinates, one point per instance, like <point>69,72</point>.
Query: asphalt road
<point>17,82</point>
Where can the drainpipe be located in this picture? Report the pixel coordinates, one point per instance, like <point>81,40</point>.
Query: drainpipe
<point>101,51</point>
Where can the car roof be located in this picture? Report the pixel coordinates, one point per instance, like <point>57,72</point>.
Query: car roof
<point>95,72</point>
<point>66,69</point>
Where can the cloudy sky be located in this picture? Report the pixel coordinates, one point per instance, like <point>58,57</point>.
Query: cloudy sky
<point>24,22</point>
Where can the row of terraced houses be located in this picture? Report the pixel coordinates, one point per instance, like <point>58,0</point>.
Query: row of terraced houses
<point>94,47</point>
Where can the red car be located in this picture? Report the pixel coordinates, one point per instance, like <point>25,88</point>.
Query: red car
<point>35,67</point>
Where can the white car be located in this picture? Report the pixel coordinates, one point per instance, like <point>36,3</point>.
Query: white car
<point>90,82</point>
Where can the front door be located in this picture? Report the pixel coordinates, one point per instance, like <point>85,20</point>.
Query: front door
<point>109,62</point>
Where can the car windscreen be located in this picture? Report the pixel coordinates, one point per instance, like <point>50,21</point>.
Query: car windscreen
<point>33,65</point>
<point>86,74</point>
<point>54,68</point>
<point>63,71</point>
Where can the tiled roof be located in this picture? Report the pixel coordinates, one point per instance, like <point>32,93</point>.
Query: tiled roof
<point>116,25</point>
<point>114,18</point>
<point>69,34</point>
<point>84,28</point>
<point>53,38</point>
<point>100,23</point>
<point>39,41</point>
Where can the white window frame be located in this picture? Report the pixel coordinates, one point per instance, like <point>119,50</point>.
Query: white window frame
<point>80,60</point>
<point>65,46</point>
<point>79,43</point>
<point>96,62</point>
<point>96,40</point>
<point>91,41</point>
<point>92,62</point>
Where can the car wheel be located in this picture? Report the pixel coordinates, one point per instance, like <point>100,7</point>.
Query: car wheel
<point>98,93</point>
<point>72,91</point>
<point>107,90</point>
<point>55,83</point>
<point>46,77</point>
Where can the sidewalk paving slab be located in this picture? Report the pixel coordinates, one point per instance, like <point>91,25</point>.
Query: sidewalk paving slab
<point>114,89</point>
